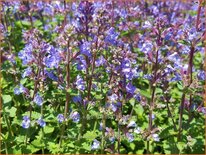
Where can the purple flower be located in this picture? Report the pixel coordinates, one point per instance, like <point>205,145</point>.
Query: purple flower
<point>153,116</point>
<point>154,9</point>
<point>51,75</point>
<point>53,58</point>
<point>126,65</point>
<point>58,6</point>
<point>85,48</point>
<point>112,36</point>
<point>26,54</point>
<point>113,97</point>
<point>77,99</point>
<point>75,116</point>
<point>177,77</point>
<point>101,61</point>
<point>26,122</point>
<point>137,97</point>
<point>38,99</point>
<point>101,126</point>
<point>147,47</point>
<point>203,110</point>
<point>155,137</point>
<point>48,10</point>
<point>80,84</point>
<point>130,136</point>
<point>131,124</point>
<point>60,118</point>
<point>81,63</point>
<point>148,76</point>
<point>130,88</point>
<point>86,8</point>
<point>113,107</point>
<point>40,5</point>
<point>20,90</point>
<point>137,130</point>
<point>201,75</point>
<point>147,25</point>
<point>95,144</point>
<point>112,139</point>
<point>27,72</point>
<point>41,122</point>
<point>16,91</point>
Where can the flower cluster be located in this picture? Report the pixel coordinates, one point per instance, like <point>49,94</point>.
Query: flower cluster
<point>77,64</point>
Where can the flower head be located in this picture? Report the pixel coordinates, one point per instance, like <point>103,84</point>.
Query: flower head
<point>80,83</point>
<point>26,54</point>
<point>41,122</point>
<point>77,99</point>
<point>26,122</point>
<point>85,48</point>
<point>75,116</point>
<point>19,90</point>
<point>129,136</point>
<point>130,88</point>
<point>60,118</point>
<point>38,99</point>
<point>95,144</point>
<point>131,124</point>
<point>155,137</point>
<point>27,72</point>
<point>112,36</point>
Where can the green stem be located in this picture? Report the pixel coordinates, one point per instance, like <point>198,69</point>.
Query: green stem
<point>42,129</point>
<point>26,137</point>
<point>119,140</point>
<point>153,87</point>
<point>180,116</point>
<point>103,131</point>
<point>170,115</point>
<point>66,106</point>
<point>7,123</point>
<point>6,148</point>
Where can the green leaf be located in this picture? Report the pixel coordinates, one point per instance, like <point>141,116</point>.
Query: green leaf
<point>36,115</point>
<point>6,98</point>
<point>145,93</point>
<point>37,23</point>
<point>12,111</point>
<point>48,129</point>
<point>132,146</point>
<point>86,146</point>
<point>37,143</point>
<point>53,147</point>
<point>90,135</point>
<point>132,101</point>
<point>32,148</point>
<point>23,81</point>
<point>20,139</point>
<point>181,146</point>
<point>26,23</point>
<point>179,86</point>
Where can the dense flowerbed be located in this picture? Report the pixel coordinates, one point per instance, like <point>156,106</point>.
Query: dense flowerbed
<point>102,77</point>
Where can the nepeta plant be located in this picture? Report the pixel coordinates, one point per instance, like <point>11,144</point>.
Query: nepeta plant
<point>102,77</point>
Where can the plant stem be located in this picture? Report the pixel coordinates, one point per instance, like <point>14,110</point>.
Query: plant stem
<point>190,79</point>
<point>170,115</point>
<point>103,132</point>
<point>189,76</point>
<point>119,140</point>
<point>42,136</point>
<point>7,123</point>
<point>6,148</point>
<point>180,117</point>
<point>66,106</point>
<point>198,14</point>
